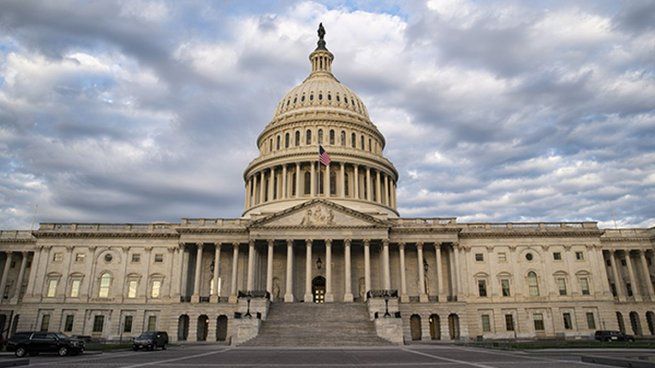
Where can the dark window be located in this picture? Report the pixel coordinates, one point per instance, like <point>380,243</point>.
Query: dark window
<point>297,142</point>
<point>308,137</point>
<point>482,288</point>
<point>579,256</point>
<point>286,140</point>
<point>127,325</point>
<point>308,182</point>
<point>509,322</point>
<point>159,258</point>
<point>343,138</point>
<point>591,321</point>
<point>628,288</point>
<point>557,256</point>
<point>332,136</point>
<point>504,283</point>
<point>353,140</point>
<point>277,143</point>
<point>529,256</point>
<point>567,321</point>
<point>320,136</point>
<point>479,257</point>
<point>45,322</point>
<point>538,321</point>
<point>98,323</point>
<point>68,325</point>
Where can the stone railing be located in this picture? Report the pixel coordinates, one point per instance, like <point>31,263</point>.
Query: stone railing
<point>16,235</point>
<point>530,226</point>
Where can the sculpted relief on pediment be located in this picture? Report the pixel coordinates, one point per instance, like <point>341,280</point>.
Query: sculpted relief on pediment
<point>317,216</point>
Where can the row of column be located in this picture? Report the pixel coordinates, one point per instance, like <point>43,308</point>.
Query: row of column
<point>15,293</point>
<point>261,187</point>
<point>329,296</point>
<point>621,287</point>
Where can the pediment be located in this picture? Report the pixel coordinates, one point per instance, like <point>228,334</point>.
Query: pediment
<point>318,213</point>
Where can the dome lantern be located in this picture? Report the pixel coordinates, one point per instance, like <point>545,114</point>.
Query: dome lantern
<point>321,58</point>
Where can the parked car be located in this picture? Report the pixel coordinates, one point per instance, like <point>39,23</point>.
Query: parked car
<point>609,335</point>
<point>31,342</point>
<point>150,340</point>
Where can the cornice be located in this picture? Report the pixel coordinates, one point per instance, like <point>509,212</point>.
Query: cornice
<point>103,234</point>
<point>530,234</point>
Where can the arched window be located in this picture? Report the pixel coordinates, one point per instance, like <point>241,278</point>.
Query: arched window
<point>343,138</point>
<point>320,136</point>
<point>533,284</point>
<point>105,284</point>
<point>353,140</point>
<point>270,145</point>
<point>277,143</point>
<point>331,136</point>
<point>361,142</point>
<point>308,182</point>
<point>308,137</point>
<point>369,144</point>
<point>297,142</point>
<point>286,140</point>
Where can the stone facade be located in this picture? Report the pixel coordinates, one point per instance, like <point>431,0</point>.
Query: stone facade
<point>317,233</point>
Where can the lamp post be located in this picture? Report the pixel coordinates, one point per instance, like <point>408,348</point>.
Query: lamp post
<point>248,315</point>
<point>386,305</point>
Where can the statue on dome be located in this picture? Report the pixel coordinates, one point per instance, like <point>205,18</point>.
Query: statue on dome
<point>321,35</point>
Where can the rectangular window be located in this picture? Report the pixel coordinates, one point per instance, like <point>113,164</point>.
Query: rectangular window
<point>623,262</point>
<point>75,288</point>
<point>579,256</point>
<point>159,258</point>
<point>156,287</point>
<point>98,323</point>
<point>79,257</point>
<point>538,319</point>
<point>504,285</point>
<point>127,325</point>
<point>502,257</point>
<point>136,257</point>
<point>68,325</point>
<point>479,257</point>
<point>628,288</point>
<point>509,322</point>
<point>45,322</point>
<point>131,288</point>
<point>486,323</point>
<point>567,321</point>
<point>152,323</point>
<point>52,288</point>
<point>608,263</point>
<point>613,287</point>
<point>482,288</point>
<point>58,257</point>
<point>591,321</point>
<point>584,286</point>
<point>557,256</point>
<point>561,285</point>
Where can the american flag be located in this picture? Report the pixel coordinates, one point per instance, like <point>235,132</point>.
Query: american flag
<point>323,156</point>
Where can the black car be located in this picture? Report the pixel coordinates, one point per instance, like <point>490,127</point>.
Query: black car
<point>150,340</point>
<point>609,335</point>
<point>23,343</point>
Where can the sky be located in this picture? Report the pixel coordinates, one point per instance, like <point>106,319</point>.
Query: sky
<point>493,111</point>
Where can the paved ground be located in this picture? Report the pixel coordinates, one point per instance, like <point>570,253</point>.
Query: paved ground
<point>445,356</point>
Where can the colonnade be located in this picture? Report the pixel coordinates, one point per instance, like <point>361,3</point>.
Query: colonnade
<point>636,283</point>
<point>337,180</point>
<point>446,272</point>
<point>13,294</point>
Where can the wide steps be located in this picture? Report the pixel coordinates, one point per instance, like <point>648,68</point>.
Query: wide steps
<point>305,324</point>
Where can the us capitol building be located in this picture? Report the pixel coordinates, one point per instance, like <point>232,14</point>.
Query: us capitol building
<point>318,245</point>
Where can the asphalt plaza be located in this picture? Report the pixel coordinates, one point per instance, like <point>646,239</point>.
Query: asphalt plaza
<point>446,356</point>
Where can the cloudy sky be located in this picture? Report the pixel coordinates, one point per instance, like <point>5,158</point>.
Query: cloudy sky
<point>140,111</point>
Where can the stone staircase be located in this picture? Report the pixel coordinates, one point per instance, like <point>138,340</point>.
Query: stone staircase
<point>309,324</point>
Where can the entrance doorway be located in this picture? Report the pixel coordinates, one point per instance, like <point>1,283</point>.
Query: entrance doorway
<point>415,327</point>
<point>203,324</point>
<point>435,327</point>
<point>221,328</point>
<point>318,289</point>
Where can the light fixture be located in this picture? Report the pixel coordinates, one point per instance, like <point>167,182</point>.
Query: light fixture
<point>319,263</point>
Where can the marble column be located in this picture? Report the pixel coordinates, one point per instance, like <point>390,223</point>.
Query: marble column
<point>441,292</point>
<point>21,274</point>
<point>618,278</point>
<point>356,182</point>
<point>5,274</point>
<point>269,268</point>
<point>284,182</point>
<point>387,200</point>
<point>250,283</point>
<point>456,273</point>
<point>369,195</point>
<point>308,271</point>
<point>297,180</point>
<point>271,185</point>
<point>247,199</point>
<point>385,264</point>
<point>329,297</point>
<point>326,181</point>
<point>378,191</point>
<point>195,298</point>
<point>235,263</point>
<point>367,267</point>
<point>288,292</point>
<point>262,186</point>
<point>215,294</point>
<point>403,274</point>
<point>423,297</point>
<point>312,187</point>
<point>342,191</point>
<point>633,280</point>
<point>348,294</point>
<point>646,273</point>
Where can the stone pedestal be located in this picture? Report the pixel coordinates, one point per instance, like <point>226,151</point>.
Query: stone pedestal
<point>348,298</point>
<point>390,329</point>
<point>423,298</point>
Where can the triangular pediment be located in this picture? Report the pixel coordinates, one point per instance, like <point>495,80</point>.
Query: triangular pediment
<point>318,213</point>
